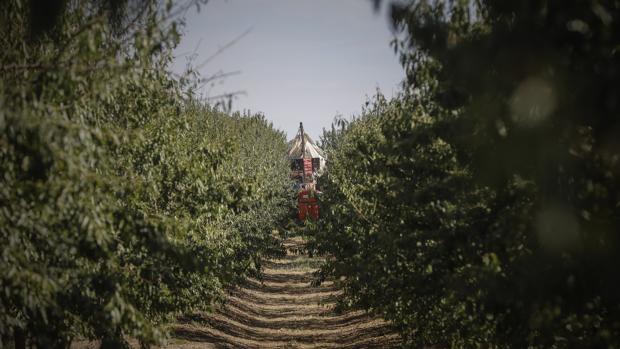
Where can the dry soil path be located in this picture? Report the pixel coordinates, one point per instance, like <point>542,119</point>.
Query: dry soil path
<point>283,310</point>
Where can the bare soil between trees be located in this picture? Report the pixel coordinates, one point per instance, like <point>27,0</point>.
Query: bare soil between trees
<point>283,310</point>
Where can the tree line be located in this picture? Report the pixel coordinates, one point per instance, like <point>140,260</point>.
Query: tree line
<point>125,199</point>
<point>480,207</point>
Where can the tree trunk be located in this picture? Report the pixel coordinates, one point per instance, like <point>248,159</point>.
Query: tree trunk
<point>19,336</point>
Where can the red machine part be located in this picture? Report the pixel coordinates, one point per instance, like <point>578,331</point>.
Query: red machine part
<point>307,205</point>
<point>308,168</point>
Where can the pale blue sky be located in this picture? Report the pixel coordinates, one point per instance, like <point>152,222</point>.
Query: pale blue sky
<point>303,60</point>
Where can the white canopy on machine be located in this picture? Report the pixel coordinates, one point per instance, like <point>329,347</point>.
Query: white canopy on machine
<point>302,146</point>
<point>311,149</point>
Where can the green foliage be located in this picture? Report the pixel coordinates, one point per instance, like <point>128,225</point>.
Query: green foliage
<point>124,201</point>
<point>480,209</point>
<point>409,229</point>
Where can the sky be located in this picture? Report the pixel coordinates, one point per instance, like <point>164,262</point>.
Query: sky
<point>298,61</point>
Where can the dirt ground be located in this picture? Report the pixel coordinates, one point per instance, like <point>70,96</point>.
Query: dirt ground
<point>282,311</point>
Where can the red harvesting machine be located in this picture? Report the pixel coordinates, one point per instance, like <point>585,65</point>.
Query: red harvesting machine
<point>307,162</point>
